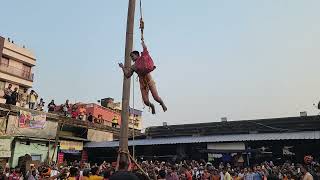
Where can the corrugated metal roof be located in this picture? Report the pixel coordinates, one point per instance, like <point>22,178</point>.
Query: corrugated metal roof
<point>213,138</point>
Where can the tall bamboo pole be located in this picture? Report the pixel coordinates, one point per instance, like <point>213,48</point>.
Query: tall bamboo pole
<point>123,144</point>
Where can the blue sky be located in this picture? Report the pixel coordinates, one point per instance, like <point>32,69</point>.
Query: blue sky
<point>241,59</point>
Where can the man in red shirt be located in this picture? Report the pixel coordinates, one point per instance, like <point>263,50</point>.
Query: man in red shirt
<point>184,170</point>
<point>147,84</point>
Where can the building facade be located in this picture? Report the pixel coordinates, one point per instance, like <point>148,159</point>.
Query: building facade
<point>110,113</point>
<point>16,65</point>
<point>21,136</point>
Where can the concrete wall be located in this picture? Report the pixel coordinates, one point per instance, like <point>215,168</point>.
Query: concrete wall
<point>15,64</point>
<point>21,54</point>
<point>35,148</point>
<point>99,136</point>
<point>107,114</point>
<point>15,80</point>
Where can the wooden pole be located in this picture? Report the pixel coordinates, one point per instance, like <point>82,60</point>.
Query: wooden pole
<point>48,156</point>
<point>123,144</point>
<point>56,141</point>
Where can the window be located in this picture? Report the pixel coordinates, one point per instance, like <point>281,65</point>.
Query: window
<point>26,68</point>
<point>26,71</point>
<point>4,61</point>
<point>36,157</point>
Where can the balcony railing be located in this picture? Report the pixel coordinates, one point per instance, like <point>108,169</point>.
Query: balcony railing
<point>16,71</point>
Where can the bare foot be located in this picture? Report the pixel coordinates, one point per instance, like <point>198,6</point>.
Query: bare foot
<point>153,110</point>
<point>164,107</point>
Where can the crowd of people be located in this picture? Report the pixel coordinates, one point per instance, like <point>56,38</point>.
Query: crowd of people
<point>186,170</point>
<point>23,98</point>
<point>29,100</point>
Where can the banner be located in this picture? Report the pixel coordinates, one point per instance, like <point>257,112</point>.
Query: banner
<point>71,145</point>
<point>84,156</point>
<point>32,120</point>
<point>60,158</point>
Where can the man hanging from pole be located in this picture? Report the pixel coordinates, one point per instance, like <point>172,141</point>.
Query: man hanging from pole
<point>147,84</point>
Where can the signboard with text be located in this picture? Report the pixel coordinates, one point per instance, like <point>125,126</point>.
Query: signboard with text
<point>71,145</point>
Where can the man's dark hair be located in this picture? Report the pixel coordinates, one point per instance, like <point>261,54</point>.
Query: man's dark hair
<point>162,174</point>
<point>94,170</point>
<point>135,52</point>
<point>173,167</point>
<point>73,171</point>
<point>86,172</point>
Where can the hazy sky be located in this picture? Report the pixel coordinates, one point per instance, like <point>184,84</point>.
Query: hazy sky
<point>243,59</point>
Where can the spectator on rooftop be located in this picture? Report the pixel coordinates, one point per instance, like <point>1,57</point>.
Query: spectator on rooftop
<point>32,98</point>
<point>114,122</point>
<point>51,106</point>
<point>23,98</point>
<point>65,108</point>
<point>82,113</point>
<point>40,105</point>
<point>14,96</point>
<point>74,111</point>
<point>7,94</point>
<point>90,117</point>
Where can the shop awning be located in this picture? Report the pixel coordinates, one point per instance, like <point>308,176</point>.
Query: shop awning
<point>212,138</point>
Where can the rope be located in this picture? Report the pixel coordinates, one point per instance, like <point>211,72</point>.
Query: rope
<point>141,22</point>
<point>133,120</point>
<point>129,159</point>
<point>142,39</point>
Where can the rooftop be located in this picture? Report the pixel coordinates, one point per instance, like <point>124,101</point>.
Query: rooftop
<point>285,124</point>
<point>213,138</point>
